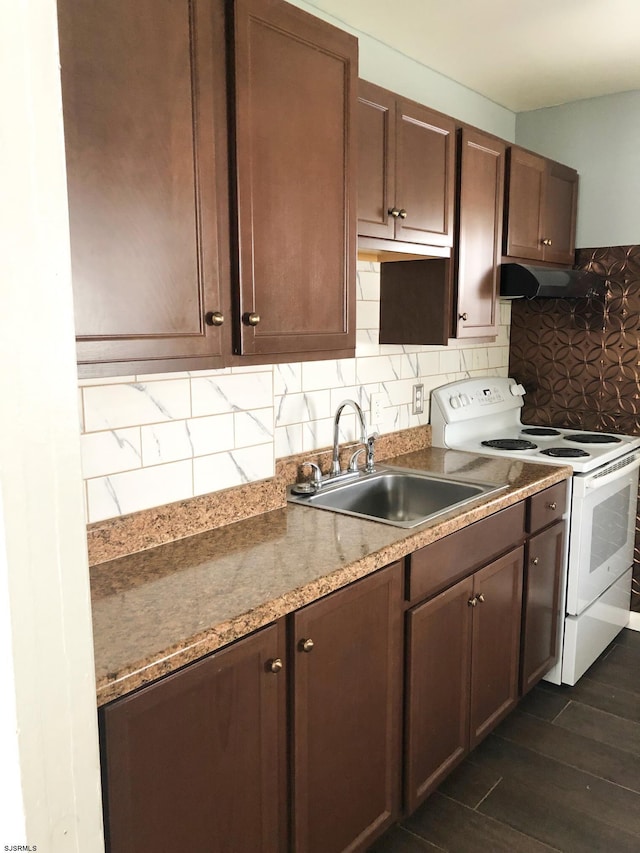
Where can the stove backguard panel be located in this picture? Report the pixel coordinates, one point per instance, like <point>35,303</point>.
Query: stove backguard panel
<point>579,359</point>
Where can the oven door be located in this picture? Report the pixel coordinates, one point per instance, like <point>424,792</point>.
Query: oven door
<point>603,522</point>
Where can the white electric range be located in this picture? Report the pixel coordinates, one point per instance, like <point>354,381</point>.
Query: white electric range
<point>483,416</point>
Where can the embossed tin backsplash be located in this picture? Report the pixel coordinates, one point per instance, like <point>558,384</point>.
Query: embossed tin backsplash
<point>579,359</point>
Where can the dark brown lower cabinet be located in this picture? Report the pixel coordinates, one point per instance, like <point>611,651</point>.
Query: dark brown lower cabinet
<point>197,761</point>
<point>462,671</point>
<point>541,608</point>
<point>347,665</point>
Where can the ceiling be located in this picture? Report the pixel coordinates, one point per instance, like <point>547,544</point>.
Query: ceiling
<point>522,55</point>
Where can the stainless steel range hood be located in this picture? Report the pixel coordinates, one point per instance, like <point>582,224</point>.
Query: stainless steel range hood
<point>517,280</point>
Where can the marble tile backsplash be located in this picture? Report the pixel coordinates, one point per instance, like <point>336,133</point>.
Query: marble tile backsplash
<point>153,439</point>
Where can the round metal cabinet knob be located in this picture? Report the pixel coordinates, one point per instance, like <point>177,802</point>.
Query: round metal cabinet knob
<point>251,319</point>
<point>547,242</point>
<point>480,598</point>
<point>473,602</point>
<point>393,211</point>
<point>553,505</point>
<point>402,213</point>
<point>214,318</point>
<point>464,317</point>
<point>307,645</point>
<point>276,665</point>
<point>535,561</point>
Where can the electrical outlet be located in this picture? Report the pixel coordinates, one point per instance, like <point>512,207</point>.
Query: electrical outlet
<point>376,413</point>
<point>418,399</point>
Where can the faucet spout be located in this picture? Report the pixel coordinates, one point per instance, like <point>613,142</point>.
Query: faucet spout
<point>335,464</point>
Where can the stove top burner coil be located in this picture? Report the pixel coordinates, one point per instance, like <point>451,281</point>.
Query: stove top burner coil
<point>593,438</point>
<point>565,452</point>
<point>541,431</point>
<point>510,444</point>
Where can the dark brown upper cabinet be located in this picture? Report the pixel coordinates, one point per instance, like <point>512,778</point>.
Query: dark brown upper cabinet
<point>145,131</point>
<point>428,300</point>
<point>211,185</point>
<point>542,198</point>
<point>479,234</point>
<point>295,96</point>
<point>406,179</point>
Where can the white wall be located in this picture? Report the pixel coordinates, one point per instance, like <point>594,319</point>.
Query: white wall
<point>48,726</point>
<point>387,67</point>
<point>600,138</point>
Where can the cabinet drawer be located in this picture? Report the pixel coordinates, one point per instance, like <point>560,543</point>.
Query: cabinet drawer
<point>442,563</point>
<point>547,507</point>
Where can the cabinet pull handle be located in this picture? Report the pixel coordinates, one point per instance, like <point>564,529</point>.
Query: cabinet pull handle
<point>535,561</point>
<point>464,317</point>
<point>402,213</point>
<point>480,598</point>
<point>306,645</point>
<point>473,602</point>
<point>214,318</point>
<point>251,318</point>
<point>553,505</point>
<point>395,212</point>
<point>276,665</point>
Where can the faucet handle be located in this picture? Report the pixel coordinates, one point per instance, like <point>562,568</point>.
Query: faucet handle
<point>317,473</point>
<point>371,440</point>
<point>353,462</point>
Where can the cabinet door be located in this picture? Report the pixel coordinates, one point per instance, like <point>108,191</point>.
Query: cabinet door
<point>425,175</point>
<point>525,205</point>
<point>376,160</point>
<point>543,574</point>
<point>480,235</point>
<point>143,88</point>
<point>496,643</point>
<point>295,180</point>
<point>196,761</point>
<point>561,201</point>
<point>437,689</point>
<point>347,660</point>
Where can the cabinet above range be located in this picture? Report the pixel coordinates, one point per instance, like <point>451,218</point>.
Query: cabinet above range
<point>406,185</point>
<point>211,189</point>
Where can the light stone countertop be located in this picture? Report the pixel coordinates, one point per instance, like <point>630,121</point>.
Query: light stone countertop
<point>158,609</point>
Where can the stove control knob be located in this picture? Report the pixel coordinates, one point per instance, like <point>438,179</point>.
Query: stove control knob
<point>518,390</point>
<point>455,401</point>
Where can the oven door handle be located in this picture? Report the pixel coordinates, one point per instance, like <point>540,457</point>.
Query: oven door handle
<point>597,482</point>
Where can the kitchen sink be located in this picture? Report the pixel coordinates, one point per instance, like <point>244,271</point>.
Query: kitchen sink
<point>398,496</point>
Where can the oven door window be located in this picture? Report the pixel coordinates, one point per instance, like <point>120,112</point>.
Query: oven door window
<point>603,522</point>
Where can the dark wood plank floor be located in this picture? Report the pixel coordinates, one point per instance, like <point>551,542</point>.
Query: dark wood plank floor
<point>562,773</point>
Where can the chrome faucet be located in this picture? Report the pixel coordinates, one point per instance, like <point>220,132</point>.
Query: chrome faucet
<point>368,441</point>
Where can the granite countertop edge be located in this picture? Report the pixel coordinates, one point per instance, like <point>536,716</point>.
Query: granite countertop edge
<point>375,545</point>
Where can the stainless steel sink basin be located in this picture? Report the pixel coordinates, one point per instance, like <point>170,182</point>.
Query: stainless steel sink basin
<point>396,496</point>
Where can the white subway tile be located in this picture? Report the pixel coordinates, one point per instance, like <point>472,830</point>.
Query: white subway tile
<point>288,440</point>
<point>319,375</point>
<point>429,363</point>
<point>360,393</point>
<point>141,489</point>
<point>398,393</point>
<point>287,378</point>
<point>114,406</point>
<point>368,286</point>
<point>212,434</point>
<point>380,369</point>
<point>299,408</point>
<point>367,315</point>
<point>498,356</point>
<point>367,343</point>
<point>316,434</point>
<point>109,452</point>
<point>449,361</point>
<point>216,395</point>
<point>224,470</point>
<point>255,427</point>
